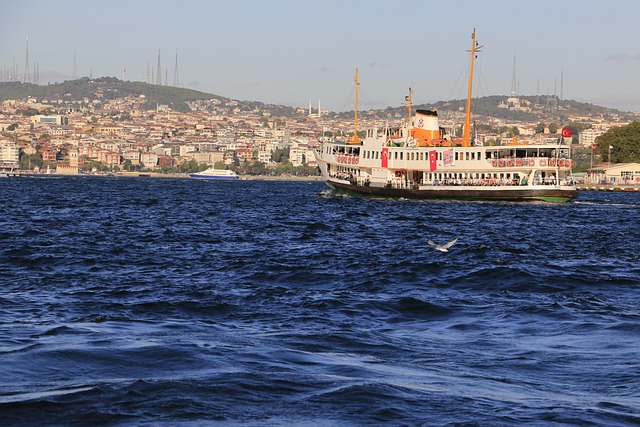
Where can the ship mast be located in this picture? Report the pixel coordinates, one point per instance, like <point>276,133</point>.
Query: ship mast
<point>409,102</point>
<point>354,139</point>
<point>466,135</point>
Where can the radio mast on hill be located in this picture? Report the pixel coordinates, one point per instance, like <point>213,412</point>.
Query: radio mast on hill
<point>514,89</point>
<point>27,73</point>
<point>159,75</point>
<point>176,79</point>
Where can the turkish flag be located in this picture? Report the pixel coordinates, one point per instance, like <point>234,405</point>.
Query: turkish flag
<point>433,160</point>
<point>566,133</point>
<point>385,157</point>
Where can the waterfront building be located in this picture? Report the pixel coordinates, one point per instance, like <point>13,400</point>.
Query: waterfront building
<point>9,152</point>
<point>614,174</point>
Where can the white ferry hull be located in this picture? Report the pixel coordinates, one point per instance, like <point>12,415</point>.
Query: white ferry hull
<point>535,193</point>
<point>510,179</point>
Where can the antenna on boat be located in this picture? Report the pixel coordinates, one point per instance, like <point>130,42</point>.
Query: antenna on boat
<point>354,139</point>
<point>409,101</point>
<point>466,134</point>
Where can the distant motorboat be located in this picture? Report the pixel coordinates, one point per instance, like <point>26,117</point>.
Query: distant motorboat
<point>9,171</point>
<point>212,173</point>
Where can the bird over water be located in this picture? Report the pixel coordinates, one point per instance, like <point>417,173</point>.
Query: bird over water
<point>443,248</point>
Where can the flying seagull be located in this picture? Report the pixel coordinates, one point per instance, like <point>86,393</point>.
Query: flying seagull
<point>443,248</point>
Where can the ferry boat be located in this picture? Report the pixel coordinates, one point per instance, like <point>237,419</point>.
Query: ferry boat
<point>418,160</point>
<point>212,173</point>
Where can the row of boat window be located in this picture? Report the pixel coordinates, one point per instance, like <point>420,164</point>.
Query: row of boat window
<point>421,156</point>
<point>474,175</point>
<point>458,155</point>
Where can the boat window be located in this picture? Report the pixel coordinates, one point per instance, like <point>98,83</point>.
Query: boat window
<point>456,156</point>
<point>401,155</point>
<point>473,156</point>
<point>467,156</point>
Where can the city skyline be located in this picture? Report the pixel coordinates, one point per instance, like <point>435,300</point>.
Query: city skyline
<point>295,52</point>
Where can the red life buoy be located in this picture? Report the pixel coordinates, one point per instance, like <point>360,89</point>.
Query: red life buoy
<point>494,163</point>
<point>518,162</point>
<point>561,163</point>
<point>552,162</point>
<point>510,162</point>
<point>543,162</point>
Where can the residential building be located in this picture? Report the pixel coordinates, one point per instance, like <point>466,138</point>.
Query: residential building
<point>9,152</point>
<point>588,137</point>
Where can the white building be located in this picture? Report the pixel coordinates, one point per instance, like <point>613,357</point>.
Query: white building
<point>9,152</point>
<point>588,136</point>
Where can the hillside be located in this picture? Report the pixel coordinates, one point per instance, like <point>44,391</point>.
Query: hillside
<point>75,93</point>
<point>538,109</point>
<point>105,88</point>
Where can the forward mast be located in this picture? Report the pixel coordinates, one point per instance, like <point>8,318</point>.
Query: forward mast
<point>466,134</point>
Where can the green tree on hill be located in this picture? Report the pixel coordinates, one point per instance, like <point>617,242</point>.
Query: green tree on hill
<point>624,142</point>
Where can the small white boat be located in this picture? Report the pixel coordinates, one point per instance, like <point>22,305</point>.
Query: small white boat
<point>8,171</point>
<point>213,173</point>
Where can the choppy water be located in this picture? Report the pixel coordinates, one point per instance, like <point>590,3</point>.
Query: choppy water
<point>182,302</point>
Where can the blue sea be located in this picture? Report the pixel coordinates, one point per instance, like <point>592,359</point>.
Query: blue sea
<point>177,302</point>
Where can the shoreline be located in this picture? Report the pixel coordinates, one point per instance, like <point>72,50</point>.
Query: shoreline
<point>608,187</point>
<point>164,175</point>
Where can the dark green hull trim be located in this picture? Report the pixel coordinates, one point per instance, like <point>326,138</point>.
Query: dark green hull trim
<point>521,194</point>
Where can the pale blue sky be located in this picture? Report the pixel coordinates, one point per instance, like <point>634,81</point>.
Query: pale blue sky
<point>292,51</point>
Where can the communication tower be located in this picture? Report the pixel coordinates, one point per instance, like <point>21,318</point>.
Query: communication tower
<point>176,79</point>
<point>159,74</point>
<point>514,90</point>
<point>27,73</point>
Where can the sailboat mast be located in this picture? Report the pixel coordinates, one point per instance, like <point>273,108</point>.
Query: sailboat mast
<point>354,138</point>
<point>466,135</point>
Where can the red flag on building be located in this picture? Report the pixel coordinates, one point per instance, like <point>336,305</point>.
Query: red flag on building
<point>385,157</point>
<point>433,160</point>
<point>566,133</point>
